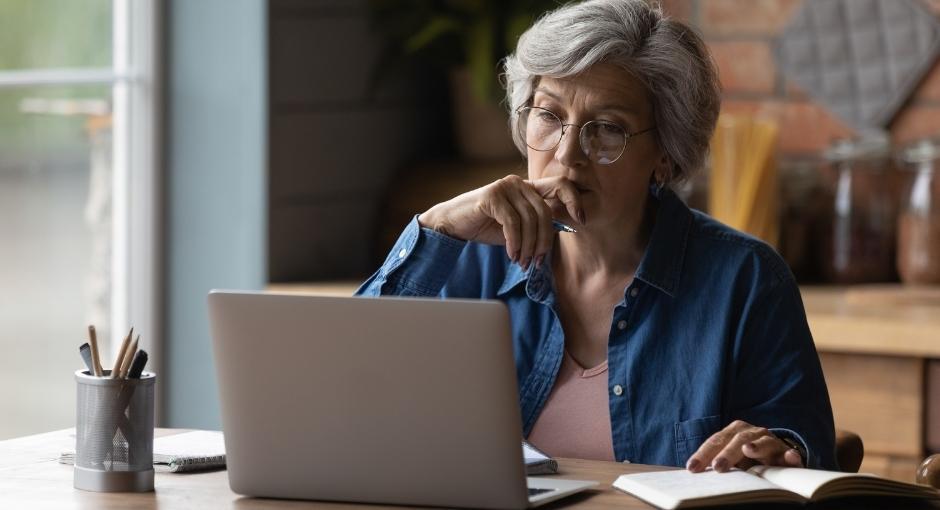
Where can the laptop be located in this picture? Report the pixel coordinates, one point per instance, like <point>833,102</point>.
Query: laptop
<point>372,400</point>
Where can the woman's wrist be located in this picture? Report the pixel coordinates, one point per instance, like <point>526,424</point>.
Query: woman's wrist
<point>431,219</point>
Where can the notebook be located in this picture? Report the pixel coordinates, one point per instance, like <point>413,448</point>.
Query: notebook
<point>197,450</point>
<point>537,462</point>
<point>190,451</point>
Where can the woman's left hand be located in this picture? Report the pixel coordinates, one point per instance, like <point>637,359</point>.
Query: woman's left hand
<point>743,445</point>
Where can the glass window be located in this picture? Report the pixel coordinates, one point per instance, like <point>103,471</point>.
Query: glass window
<point>55,33</point>
<point>55,222</point>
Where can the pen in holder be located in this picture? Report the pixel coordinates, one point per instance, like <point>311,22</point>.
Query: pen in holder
<point>114,433</point>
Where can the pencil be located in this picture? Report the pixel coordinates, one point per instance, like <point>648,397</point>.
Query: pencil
<point>116,371</point>
<point>95,358</point>
<point>128,358</point>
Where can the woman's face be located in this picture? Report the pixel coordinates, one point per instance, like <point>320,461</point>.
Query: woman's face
<point>610,193</point>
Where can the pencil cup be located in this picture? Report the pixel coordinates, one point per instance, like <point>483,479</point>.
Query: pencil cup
<point>114,433</point>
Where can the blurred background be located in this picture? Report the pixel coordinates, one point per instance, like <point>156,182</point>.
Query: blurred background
<point>152,150</point>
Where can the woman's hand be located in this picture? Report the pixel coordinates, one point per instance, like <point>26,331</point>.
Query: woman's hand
<point>743,445</point>
<point>510,211</point>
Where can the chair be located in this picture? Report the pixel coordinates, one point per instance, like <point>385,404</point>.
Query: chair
<point>850,450</point>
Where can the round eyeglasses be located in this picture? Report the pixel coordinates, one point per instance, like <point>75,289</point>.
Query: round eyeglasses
<point>602,141</point>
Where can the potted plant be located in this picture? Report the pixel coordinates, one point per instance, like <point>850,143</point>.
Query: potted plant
<point>467,39</point>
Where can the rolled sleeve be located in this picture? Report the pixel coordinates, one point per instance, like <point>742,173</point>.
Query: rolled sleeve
<point>419,264</point>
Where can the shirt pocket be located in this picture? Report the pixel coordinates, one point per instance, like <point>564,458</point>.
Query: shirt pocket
<point>690,435</point>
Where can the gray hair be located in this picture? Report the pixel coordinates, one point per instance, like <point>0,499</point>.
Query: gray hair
<point>665,55</point>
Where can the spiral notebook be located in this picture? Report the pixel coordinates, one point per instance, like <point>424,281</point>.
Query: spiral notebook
<point>190,451</point>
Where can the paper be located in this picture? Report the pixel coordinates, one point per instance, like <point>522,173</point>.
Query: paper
<point>198,443</point>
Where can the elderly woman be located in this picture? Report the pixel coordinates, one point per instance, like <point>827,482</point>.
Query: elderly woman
<point>653,333</point>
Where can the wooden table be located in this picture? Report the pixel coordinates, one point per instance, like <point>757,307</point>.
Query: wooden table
<point>30,476</point>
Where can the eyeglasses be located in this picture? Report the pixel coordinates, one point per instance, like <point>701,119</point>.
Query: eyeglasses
<point>603,142</point>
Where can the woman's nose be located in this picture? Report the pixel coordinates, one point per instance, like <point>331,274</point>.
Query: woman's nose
<point>569,152</point>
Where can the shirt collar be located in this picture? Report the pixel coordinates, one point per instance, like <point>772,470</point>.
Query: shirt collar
<point>660,267</point>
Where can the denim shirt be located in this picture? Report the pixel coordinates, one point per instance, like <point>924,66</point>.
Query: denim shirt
<point>711,330</point>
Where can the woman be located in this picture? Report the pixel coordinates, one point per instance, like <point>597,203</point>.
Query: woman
<point>653,334</point>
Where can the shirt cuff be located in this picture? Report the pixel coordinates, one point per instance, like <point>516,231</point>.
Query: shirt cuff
<point>421,261</point>
<point>810,461</point>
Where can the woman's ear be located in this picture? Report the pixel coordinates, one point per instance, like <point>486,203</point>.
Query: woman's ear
<point>663,172</point>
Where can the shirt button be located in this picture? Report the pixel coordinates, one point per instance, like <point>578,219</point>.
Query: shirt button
<point>634,291</point>
<point>618,390</point>
<point>622,325</point>
<point>402,253</point>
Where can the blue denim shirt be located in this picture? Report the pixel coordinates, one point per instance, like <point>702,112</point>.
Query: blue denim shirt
<point>711,330</point>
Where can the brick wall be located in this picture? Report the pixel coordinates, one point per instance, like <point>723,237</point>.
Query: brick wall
<point>740,34</point>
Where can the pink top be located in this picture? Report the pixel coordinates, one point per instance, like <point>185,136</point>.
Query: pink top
<point>575,421</point>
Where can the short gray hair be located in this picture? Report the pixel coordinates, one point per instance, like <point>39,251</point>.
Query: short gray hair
<point>667,56</point>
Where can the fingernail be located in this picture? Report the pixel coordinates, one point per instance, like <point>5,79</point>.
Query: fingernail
<point>721,464</point>
<point>538,261</point>
<point>693,465</point>
<point>581,216</point>
<point>527,261</point>
<point>515,256</point>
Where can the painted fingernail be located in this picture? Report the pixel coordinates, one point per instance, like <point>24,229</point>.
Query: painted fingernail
<point>693,465</point>
<point>538,261</point>
<point>721,464</point>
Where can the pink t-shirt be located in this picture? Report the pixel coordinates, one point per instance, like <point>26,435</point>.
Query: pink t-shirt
<point>575,421</point>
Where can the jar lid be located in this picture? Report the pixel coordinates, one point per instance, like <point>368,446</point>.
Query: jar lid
<point>921,151</point>
<point>867,146</point>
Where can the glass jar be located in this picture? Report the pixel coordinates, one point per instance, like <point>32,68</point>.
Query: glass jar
<point>857,238</point>
<point>800,190</point>
<point>919,218</point>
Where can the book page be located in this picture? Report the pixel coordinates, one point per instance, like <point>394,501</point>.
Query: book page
<point>802,481</point>
<point>817,484</point>
<point>669,489</point>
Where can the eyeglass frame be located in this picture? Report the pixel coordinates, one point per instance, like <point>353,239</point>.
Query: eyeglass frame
<point>626,134</point>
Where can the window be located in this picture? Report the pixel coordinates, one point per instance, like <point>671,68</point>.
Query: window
<point>78,194</point>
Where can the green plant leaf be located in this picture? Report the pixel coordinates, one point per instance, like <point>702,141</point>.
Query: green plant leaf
<point>436,27</point>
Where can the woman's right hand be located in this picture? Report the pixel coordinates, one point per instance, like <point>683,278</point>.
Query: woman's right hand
<point>513,212</point>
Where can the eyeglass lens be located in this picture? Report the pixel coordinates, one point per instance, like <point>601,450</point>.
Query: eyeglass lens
<point>603,142</point>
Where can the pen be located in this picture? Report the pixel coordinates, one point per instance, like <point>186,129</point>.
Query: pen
<point>561,227</point>
<point>85,351</point>
<point>97,371</point>
<point>137,366</point>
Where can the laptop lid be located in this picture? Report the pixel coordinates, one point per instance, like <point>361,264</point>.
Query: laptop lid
<point>380,400</point>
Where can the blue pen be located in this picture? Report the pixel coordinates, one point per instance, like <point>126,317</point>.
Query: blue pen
<point>561,227</point>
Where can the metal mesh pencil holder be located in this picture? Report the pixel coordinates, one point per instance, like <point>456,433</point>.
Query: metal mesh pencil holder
<point>114,433</point>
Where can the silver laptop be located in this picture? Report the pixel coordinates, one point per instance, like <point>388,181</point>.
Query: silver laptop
<point>374,400</point>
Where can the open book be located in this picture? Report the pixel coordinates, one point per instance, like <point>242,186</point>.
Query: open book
<point>760,484</point>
